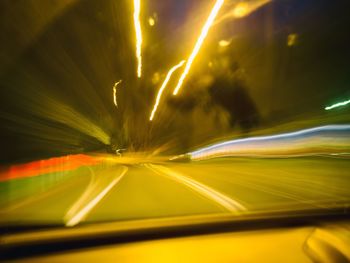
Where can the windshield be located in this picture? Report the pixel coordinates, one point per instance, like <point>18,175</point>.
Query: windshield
<point>126,110</point>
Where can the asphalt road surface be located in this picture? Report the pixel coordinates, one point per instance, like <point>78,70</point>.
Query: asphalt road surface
<point>116,189</point>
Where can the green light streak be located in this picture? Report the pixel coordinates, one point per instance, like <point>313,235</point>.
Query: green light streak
<point>337,105</point>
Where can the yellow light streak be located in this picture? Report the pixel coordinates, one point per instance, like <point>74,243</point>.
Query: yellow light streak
<point>115,93</point>
<point>137,23</point>
<point>241,9</point>
<point>199,43</point>
<point>162,88</point>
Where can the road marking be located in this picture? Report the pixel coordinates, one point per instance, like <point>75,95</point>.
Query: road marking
<point>210,193</point>
<point>74,215</point>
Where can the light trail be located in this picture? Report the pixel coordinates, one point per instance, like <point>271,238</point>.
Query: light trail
<point>325,139</point>
<point>137,24</point>
<point>162,88</point>
<point>337,105</point>
<point>199,43</point>
<point>241,9</point>
<point>115,93</point>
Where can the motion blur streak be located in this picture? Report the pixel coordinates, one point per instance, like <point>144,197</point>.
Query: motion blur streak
<point>137,23</point>
<point>51,109</point>
<point>57,164</point>
<point>91,197</point>
<point>221,199</point>
<point>337,105</point>
<point>328,139</point>
<point>162,88</point>
<point>67,115</point>
<point>199,43</point>
<point>242,9</point>
<point>115,93</point>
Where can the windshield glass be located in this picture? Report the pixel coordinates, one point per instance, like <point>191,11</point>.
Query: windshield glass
<point>123,110</point>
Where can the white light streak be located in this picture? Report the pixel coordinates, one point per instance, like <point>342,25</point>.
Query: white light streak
<point>137,24</point>
<point>337,105</point>
<point>162,88</point>
<point>115,93</point>
<point>199,43</point>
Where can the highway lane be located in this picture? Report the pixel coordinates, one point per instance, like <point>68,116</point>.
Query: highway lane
<point>144,194</point>
<point>142,189</point>
<point>274,184</point>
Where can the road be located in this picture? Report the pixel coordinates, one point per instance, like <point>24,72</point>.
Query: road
<point>116,189</point>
